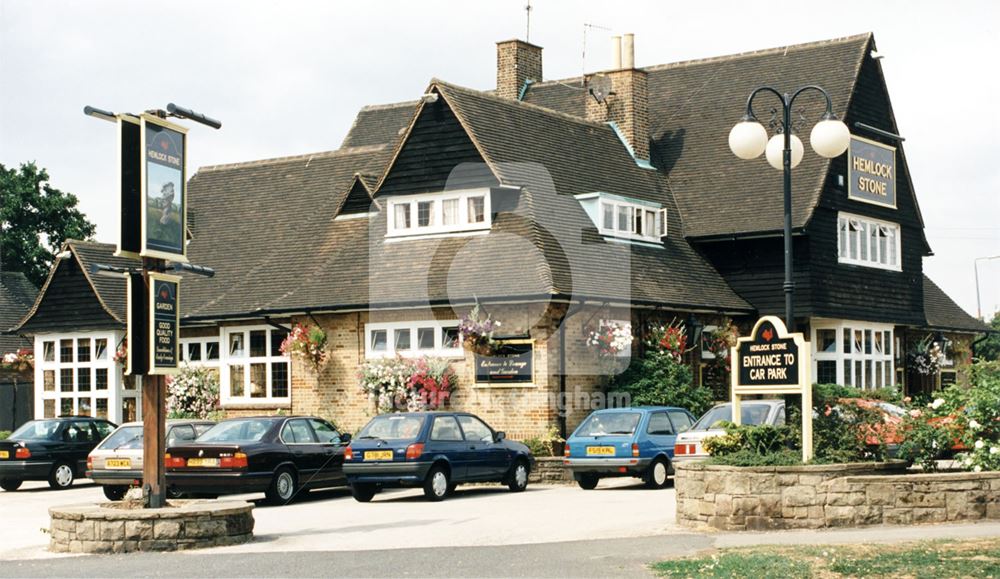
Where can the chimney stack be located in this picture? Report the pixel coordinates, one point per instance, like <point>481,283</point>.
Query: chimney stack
<point>518,62</point>
<point>628,104</point>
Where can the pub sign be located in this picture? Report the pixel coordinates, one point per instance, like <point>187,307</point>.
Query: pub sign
<point>871,172</point>
<point>164,311</point>
<point>510,363</point>
<point>164,202</point>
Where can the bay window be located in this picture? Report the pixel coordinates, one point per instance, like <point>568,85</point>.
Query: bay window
<point>77,375</point>
<point>435,213</point>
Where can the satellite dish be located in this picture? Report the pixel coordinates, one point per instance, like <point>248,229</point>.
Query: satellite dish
<point>599,87</point>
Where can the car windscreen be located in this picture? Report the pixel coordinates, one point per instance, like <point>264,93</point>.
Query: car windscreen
<point>126,437</point>
<point>607,423</point>
<point>750,414</point>
<point>393,427</point>
<point>243,430</point>
<point>36,430</point>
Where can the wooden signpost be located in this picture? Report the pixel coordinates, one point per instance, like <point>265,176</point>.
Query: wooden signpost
<point>773,361</point>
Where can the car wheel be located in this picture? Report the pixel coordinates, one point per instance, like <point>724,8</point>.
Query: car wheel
<point>62,476</point>
<point>656,474</point>
<point>436,484</point>
<point>518,477</point>
<point>588,481</point>
<point>282,489</point>
<point>10,484</point>
<point>363,492</point>
<point>114,492</point>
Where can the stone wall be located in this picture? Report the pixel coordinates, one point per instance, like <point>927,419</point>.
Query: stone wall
<point>810,497</point>
<point>184,525</point>
<point>549,470</point>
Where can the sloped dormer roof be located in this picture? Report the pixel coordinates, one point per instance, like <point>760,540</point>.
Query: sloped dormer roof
<point>17,295</point>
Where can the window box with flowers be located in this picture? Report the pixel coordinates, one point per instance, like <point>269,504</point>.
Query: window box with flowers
<point>406,384</point>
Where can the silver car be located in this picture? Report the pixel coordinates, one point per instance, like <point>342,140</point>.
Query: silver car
<point>688,444</point>
<point>116,463</point>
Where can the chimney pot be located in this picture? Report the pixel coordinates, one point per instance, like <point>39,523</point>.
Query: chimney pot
<point>628,51</point>
<point>616,53</point>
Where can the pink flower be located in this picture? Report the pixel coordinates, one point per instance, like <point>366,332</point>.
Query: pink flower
<point>916,413</point>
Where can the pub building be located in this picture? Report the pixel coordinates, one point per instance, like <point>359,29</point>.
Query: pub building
<point>558,206</point>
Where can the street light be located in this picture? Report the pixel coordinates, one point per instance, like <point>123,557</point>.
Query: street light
<point>975,265</point>
<point>748,139</point>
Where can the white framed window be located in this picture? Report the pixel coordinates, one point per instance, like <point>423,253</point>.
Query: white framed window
<point>439,213</point>
<point>410,339</point>
<point>852,353</point>
<point>76,375</point>
<point>202,351</point>
<point>707,335</point>
<point>252,368</point>
<point>868,242</point>
<point>632,220</point>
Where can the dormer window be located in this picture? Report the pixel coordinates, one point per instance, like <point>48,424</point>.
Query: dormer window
<point>625,218</point>
<point>439,213</point>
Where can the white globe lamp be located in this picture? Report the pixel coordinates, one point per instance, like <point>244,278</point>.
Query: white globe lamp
<point>776,147</point>
<point>830,137</point>
<point>747,139</point>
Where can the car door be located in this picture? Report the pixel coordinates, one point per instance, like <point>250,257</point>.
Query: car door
<point>488,459</point>
<point>446,439</point>
<point>305,450</point>
<point>333,451</point>
<point>78,440</point>
<point>660,432</point>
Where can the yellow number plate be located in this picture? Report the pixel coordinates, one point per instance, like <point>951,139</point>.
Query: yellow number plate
<point>600,451</point>
<point>203,462</point>
<point>378,455</point>
<point>118,463</point>
<point>4,454</point>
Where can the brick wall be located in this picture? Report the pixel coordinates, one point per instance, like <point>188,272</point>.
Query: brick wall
<point>517,62</point>
<point>627,107</point>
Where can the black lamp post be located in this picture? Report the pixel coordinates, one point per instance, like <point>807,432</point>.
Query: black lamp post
<point>748,139</point>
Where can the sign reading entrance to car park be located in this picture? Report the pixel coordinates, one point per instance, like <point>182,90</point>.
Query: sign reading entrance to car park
<point>510,364</point>
<point>871,172</point>
<point>164,308</point>
<point>163,197</point>
<point>772,361</point>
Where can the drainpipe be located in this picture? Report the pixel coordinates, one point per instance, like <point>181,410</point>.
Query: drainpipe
<point>562,372</point>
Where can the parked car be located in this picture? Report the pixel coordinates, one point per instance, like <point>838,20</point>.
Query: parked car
<point>52,449</point>
<point>435,450</point>
<point>756,412</point>
<point>116,463</point>
<point>276,455</point>
<point>636,442</point>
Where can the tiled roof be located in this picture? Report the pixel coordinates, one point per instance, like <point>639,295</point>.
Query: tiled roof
<point>17,295</point>
<point>944,314</point>
<point>379,124</point>
<point>110,290</point>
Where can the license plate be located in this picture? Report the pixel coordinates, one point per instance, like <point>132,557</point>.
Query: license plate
<point>203,462</point>
<point>378,455</point>
<point>600,451</point>
<point>118,463</point>
<point>4,454</point>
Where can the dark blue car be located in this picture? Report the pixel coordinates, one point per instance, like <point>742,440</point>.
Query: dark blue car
<point>435,450</point>
<point>637,442</point>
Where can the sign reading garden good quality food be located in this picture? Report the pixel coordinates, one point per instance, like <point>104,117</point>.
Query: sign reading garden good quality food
<point>164,308</point>
<point>511,363</point>
<point>163,189</point>
<point>871,170</point>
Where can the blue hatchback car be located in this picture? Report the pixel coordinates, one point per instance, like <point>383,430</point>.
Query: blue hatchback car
<point>435,450</point>
<point>637,442</point>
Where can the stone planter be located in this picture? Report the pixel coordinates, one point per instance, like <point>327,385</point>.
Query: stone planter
<point>109,528</point>
<point>842,495</point>
<point>550,470</point>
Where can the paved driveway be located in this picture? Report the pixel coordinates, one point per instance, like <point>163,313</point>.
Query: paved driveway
<point>331,520</point>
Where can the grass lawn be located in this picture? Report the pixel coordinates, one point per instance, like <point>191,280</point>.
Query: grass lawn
<point>973,558</point>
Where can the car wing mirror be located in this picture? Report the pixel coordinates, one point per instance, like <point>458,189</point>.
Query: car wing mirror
<point>500,436</point>
<point>345,438</point>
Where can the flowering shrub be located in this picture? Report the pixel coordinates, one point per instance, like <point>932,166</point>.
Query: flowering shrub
<point>19,361</point>
<point>397,384</point>
<point>610,338</point>
<point>672,339</point>
<point>193,393</point>
<point>306,343</point>
<point>477,331</point>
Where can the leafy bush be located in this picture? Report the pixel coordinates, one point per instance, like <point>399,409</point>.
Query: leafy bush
<point>545,444</point>
<point>4,434</point>
<point>660,377</point>
<point>193,393</point>
<point>828,392</point>
<point>760,440</point>
<point>845,432</point>
<point>750,458</point>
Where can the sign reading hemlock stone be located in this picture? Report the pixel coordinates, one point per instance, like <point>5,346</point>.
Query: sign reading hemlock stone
<point>163,185</point>
<point>511,363</point>
<point>871,171</point>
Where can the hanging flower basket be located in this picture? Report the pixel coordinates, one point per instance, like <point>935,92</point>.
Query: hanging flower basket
<point>610,338</point>
<point>22,360</point>
<point>925,359</point>
<point>121,354</point>
<point>308,343</point>
<point>477,332</point>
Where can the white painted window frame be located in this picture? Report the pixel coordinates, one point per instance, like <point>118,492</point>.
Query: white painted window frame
<point>203,341</point>
<point>390,349</point>
<point>226,360</point>
<point>659,220</point>
<point>844,245</point>
<point>437,226</point>
<point>114,392</point>
<point>839,356</point>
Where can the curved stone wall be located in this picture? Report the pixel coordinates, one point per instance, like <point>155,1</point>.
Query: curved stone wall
<point>810,497</point>
<point>111,528</point>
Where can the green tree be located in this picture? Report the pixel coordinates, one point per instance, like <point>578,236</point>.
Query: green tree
<point>658,378</point>
<point>989,349</point>
<point>35,220</point>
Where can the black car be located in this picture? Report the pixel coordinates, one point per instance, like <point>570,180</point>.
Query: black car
<point>276,455</point>
<point>435,450</point>
<point>53,449</point>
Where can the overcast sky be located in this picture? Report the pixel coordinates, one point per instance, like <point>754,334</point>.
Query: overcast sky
<point>288,77</point>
